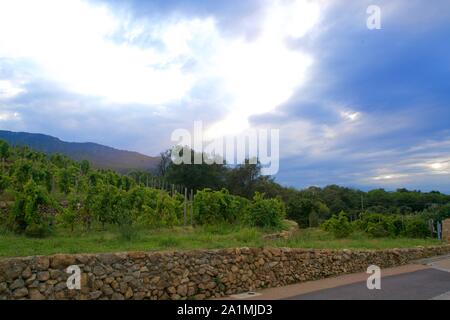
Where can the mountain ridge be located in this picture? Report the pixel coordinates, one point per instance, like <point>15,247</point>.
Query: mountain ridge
<point>100,156</point>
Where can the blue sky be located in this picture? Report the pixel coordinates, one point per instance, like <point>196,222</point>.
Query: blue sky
<point>356,107</point>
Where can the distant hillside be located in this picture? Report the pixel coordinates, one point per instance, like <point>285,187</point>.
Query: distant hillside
<point>98,155</point>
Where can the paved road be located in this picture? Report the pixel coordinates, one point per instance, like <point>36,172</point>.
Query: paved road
<point>422,280</point>
<point>419,285</point>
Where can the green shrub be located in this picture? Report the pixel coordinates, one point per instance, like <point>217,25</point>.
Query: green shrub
<point>387,225</point>
<point>31,211</point>
<point>378,230</point>
<point>72,214</point>
<point>266,213</point>
<point>381,225</point>
<point>16,219</point>
<point>216,207</point>
<point>68,219</point>
<point>416,227</point>
<point>155,208</point>
<point>357,225</point>
<point>339,225</point>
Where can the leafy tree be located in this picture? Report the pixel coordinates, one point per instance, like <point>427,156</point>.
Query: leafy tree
<point>198,176</point>
<point>299,209</point>
<point>306,212</point>
<point>444,212</point>
<point>271,189</point>
<point>243,179</point>
<point>164,162</point>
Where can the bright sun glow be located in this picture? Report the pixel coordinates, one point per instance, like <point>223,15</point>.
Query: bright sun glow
<point>440,167</point>
<point>264,73</point>
<point>437,166</point>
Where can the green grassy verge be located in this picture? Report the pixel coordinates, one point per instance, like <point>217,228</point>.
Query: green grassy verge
<point>213,237</point>
<point>319,239</point>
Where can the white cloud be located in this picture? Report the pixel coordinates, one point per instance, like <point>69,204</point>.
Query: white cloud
<point>74,43</point>
<point>438,166</point>
<point>9,89</point>
<point>71,44</point>
<point>427,161</point>
<point>8,115</point>
<point>350,115</point>
<point>390,177</point>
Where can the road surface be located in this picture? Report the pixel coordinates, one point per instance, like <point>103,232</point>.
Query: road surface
<point>423,280</point>
<point>419,285</point>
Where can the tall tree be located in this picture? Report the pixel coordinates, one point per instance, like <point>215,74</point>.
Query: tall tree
<point>197,176</point>
<point>242,180</point>
<point>164,162</point>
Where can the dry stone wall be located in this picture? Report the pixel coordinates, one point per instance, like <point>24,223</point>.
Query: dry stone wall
<point>198,274</point>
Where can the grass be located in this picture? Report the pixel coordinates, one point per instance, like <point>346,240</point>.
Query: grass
<point>319,239</point>
<point>112,240</point>
<point>207,237</point>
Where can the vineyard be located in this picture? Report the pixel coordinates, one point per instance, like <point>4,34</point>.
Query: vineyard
<point>51,204</point>
<point>40,193</point>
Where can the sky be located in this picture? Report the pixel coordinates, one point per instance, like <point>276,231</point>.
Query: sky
<point>358,107</point>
